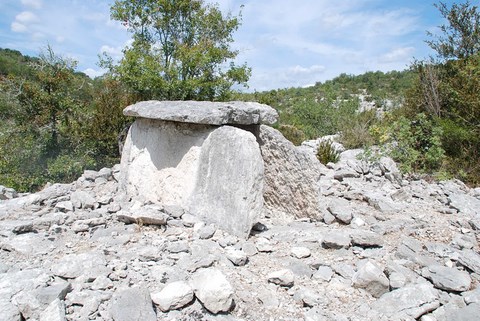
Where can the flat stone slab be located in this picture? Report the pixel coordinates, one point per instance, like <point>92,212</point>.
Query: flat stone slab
<point>205,112</point>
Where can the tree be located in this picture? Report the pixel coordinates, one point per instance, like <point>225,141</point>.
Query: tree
<point>39,129</point>
<point>447,89</point>
<point>181,50</point>
<point>461,36</point>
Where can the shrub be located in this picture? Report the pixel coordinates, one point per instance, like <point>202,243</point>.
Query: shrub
<point>327,153</point>
<point>355,130</point>
<point>415,144</point>
<point>293,134</point>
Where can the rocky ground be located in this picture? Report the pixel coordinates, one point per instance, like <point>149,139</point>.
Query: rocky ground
<point>387,249</point>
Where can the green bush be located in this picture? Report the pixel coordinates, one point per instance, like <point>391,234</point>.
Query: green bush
<point>327,153</point>
<point>355,130</point>
<point>293,134</point>
<point>415,144</point>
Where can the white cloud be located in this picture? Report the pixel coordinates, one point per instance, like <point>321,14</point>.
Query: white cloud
<point>398,54</point>
<point>26,17</point>
<point>18,27</point>
<point>115,52</point>
<point>299,70</point>
<point>22,21</point>
<point>34,4</point>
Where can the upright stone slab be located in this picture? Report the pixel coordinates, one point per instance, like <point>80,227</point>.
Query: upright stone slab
<point>229,183</point>
<point>181,153</point>
<point>291,177</point>
<point>160,160</point>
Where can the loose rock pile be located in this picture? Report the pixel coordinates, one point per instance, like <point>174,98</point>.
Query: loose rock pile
<point>383,248</point>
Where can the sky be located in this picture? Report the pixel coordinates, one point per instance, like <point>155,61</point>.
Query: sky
<point>287,43</point>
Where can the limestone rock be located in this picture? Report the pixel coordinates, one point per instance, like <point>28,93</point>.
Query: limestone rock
<point>448,279</point>
<point>291,177</point>
<point>465,203</point>
<point>366,239</point>
<point>54,312</point>
<point>160,160</point>
<point>283,277</point>
<point>132,304</point>
<point>411,301</point>
<point>336,240</point>
<point>341,209</point>
<point>213,290</point>
<point>237,257</point>
<point>300,252</point>
<point>7,193</point>
<point>148,215</point>
<point>371,278</point>
<point>229,184</point>
<point>173,296</point>
<point>204,112</point>
<point>71,266</point>
<point>324,273</point>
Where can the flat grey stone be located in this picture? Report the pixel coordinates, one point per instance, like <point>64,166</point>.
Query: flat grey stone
<point>465,204</point>
<point>205,112</point>
<point>366,239</point>
<point>341,209</point>
<point>411,301</point>
<point>336,240</point>
<point>324,273</point>
<point>448,279</point>
<point>469,313</point>
<point>470,259</point>
<point>54,291</point>
<point>132,304</point>
<point>54,312</point>
<point>90,265</point>
<point>472,296</point>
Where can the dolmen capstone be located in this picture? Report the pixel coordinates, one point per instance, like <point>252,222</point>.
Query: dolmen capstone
<point>219,162</point>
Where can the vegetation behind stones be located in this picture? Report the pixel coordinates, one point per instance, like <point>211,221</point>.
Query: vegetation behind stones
<point>56,122</point>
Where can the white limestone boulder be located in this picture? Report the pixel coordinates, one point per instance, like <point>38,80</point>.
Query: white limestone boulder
<point>205,112</point>
<point>229,182</point>
<point>291,177</point>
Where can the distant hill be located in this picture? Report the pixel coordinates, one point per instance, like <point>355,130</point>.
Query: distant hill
<point>324,109</point>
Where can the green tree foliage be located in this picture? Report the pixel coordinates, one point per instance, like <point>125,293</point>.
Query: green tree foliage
<point>38,136</point>
<point>460,38</point>
<point>331,107</point>
<point>447,88</point>
<point>181,50</point>
<point>414,143</point>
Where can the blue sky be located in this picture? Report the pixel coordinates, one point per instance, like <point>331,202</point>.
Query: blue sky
<point>288,43</point>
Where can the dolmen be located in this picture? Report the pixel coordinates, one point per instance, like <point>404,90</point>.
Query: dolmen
<point>218,161</point>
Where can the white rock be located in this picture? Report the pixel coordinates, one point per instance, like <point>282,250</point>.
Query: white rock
<point>300,252</point>
<point>54,312</point>
<point>173,296</point>
<point>283,277</point>
<point>132,304</point>
<point>205,112</point>
<point>213,290</point>
<point>229,185</point>
<point>237,257</point>
<point>371,278</point>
